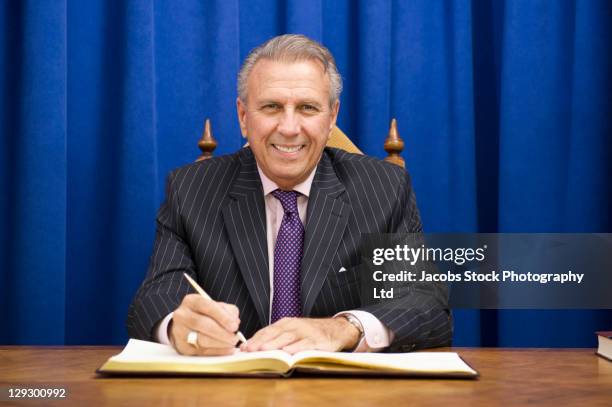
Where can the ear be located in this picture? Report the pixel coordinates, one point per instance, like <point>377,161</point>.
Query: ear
<point>334,112</point>
<point>241,110</point>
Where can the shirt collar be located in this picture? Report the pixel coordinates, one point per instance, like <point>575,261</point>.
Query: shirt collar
<point>269,185</point>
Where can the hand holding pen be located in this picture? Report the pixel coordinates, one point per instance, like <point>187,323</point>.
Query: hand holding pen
<point>202,326</point>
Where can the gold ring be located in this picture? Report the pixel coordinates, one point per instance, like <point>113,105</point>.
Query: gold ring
<point>192,338</point>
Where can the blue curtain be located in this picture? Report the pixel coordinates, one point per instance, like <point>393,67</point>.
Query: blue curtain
<point>505,107</point>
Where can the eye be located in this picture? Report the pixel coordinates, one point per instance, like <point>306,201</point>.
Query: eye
<point>271,107</point>
<point>309,108</point>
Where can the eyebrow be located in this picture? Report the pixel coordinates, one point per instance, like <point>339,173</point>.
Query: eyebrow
<point>300,102</point>
<point>267,101</point>
<point>310,102</point>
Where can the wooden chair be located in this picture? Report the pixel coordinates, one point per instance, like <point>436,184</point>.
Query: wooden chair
<point>393,144</point>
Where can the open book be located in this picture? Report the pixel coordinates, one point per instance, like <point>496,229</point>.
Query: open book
<point>141,357</point>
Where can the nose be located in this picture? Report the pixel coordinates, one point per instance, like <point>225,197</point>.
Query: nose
<point>289,124</point>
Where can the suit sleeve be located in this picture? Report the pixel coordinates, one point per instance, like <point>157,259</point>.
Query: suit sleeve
<point>164,287</point>
<point>420,316</point>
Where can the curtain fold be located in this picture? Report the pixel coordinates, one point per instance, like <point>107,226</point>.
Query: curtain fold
<point>34,182</point>
<point>504,107</point>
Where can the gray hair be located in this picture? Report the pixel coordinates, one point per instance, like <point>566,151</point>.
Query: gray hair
<point>292,48</point>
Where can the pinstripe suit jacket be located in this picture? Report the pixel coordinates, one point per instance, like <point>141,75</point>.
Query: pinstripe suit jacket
<point>212,225</point>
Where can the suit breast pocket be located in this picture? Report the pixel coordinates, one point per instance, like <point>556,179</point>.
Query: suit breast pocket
<point>344,276</point>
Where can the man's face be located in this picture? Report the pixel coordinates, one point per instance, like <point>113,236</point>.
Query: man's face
<point>287,118</point>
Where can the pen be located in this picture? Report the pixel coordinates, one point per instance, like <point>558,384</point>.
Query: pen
<point>201,291</point>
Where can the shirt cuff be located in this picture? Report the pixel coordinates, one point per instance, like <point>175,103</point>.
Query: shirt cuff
<point>376,336</point>
<point>161,332</point>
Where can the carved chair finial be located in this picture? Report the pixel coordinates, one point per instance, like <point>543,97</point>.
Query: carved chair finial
<point>207,143</point>
<point>394,145</point>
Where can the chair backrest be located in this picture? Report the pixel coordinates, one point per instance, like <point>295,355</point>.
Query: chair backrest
<point>393,143</point>
<point>338,139</point>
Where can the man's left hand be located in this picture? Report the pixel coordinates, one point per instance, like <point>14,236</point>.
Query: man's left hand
<point>297,334</point>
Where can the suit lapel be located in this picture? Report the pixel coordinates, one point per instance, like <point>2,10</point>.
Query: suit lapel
<point>245,222</point>
<point>325,224</point>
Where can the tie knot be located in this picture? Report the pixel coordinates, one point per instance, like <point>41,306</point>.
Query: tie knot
<point>288,199</point>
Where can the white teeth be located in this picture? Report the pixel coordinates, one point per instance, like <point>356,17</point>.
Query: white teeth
<point>287,149</point>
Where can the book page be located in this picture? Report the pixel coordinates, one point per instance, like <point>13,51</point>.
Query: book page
<point>155,357</point>
<point>415,362</point>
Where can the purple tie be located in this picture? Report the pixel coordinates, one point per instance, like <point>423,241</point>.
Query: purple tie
<point>288,259</point>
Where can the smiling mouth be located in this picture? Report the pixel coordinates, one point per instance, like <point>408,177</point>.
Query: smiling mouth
<point>288,149</point>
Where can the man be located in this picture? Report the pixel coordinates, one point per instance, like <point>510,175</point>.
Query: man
<point>273,232</point>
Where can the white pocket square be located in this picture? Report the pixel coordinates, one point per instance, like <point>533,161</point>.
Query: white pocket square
<point>342,270</point>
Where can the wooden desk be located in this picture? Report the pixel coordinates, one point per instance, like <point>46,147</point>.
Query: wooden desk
<point>508,377</point>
